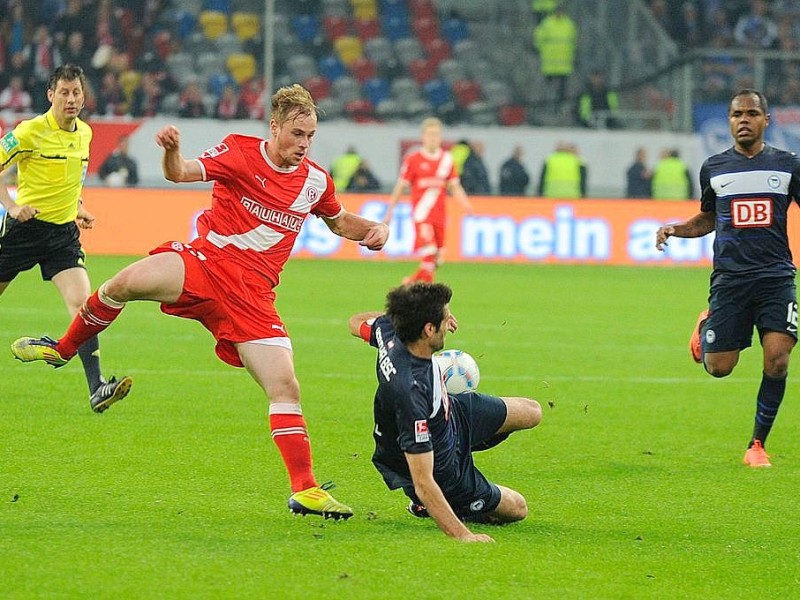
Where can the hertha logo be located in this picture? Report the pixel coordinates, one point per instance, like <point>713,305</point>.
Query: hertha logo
<point>751,212</point>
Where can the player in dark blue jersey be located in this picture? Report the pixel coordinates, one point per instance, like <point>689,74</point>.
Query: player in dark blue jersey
<point>746,193</point>
<point>424,438</point>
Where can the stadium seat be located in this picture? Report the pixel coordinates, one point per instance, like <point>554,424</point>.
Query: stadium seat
<point>346,89</point>
<point>425,28</point>
<point>335,27</point>
<point>422,70</point>
<point>497,93</point>
<point>319,87</point>
<point>367,29</point>
<point>379,50</point>
<point>222,6</point>
<point>394,8</point>
<point>363,69</point>
<point>181,66</point>
<point>242,67</point>
<point>416,110</point>
<point>479,113</point>
<point>339,8</point>
<point>389,110</point>
<point>405,90</point>
<point>330,108</point>
<point>421,8</point>
<point>437,92</point>
<point>437,50</point>
<point>455,30</point>
<point>376,90</point>
<point>213,23</point>
<point>407,50</point>
<point>301,67</point>
<point>451,71</point>
<point>360,111</point>
<point>246,25</point>
<point>511,115</point>
<point>218,82</point>
<point>349,49</point>
<point>395,27</point>
<point>210,63</point>
<point>465,92</point>
<point>365,9</point>
<point>228,44</point>
<point>185,23</point>
<point>307,28</point>
<point>331,67</point>
<point>171,104</point>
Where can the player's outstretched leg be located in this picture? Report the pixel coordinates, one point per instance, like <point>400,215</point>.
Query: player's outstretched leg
<point>28,349</point>
<point>318,501</point>
<point>695,342</point>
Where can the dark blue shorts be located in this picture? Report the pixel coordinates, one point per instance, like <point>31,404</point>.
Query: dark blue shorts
<point>737,305</point>
<point>469,493</point>
<point>54,248</point>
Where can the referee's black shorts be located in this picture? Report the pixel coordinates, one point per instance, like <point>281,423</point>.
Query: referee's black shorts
<point>54,248</point>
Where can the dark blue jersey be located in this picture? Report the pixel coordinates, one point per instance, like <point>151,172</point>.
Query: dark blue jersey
<point>413,414</point>
<point>750,198</point>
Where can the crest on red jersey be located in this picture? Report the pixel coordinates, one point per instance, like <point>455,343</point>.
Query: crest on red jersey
<point>312,194</point>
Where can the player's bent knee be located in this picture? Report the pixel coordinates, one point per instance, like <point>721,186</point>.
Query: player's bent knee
<point>513,506</point>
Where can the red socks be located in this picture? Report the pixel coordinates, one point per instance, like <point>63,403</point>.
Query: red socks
<point>290,436</point>
<point>93,317</point>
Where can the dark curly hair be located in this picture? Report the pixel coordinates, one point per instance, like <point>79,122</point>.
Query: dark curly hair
<point>413,306</point>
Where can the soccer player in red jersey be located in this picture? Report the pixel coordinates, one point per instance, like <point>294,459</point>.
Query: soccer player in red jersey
<point>430,173</point>
<point>263,191</point>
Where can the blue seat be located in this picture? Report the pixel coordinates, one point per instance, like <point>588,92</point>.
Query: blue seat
<point>331,67</point>
<point>394,8</point>
<point>395,27</point>
<point>437,92</point>
<point>307,27</point>
<point>185,23</point>
<point>376,90</point>
<point>218,82</point>
<point>454,30</point>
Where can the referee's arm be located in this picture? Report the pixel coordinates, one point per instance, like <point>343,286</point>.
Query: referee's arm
<point>14,210</point>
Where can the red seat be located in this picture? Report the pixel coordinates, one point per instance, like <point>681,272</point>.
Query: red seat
<point>359,111</point>
<point>363,69</point>
<point>335,27</point>
<point>466,91</point>
<point>512,114</point>
<point>437,50</point>
<point>425,28</point>
<point>421,8</point>
<point>366,29</point>
<point>422,70</point>
<point>319,87</point>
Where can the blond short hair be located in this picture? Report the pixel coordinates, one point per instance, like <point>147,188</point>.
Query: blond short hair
<point>292,101</point>
<point>431,122</point>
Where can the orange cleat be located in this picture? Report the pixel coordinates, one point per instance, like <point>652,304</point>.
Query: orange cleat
<point>695,344</point>
<point>756,456</point>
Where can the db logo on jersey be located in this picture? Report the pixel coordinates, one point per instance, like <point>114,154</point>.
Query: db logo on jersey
<point>421,431</point>
<point>751,212</point>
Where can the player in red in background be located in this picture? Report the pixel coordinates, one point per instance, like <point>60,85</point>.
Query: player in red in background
<point>430,174</point>
<point>263,191</point>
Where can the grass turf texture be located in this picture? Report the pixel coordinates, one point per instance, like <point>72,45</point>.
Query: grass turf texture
<point>634,479</point>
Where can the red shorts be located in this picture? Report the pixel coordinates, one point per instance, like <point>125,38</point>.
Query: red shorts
<point>234,303</point>
<point>429,236</point>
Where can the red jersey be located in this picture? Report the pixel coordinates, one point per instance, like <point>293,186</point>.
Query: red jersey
<point>258,208</point>
<point>428,175</point>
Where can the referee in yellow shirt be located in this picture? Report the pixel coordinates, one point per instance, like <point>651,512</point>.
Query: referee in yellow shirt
<point>51,152</point>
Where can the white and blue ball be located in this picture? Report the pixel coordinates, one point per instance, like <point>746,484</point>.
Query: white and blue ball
<point>459,371</point>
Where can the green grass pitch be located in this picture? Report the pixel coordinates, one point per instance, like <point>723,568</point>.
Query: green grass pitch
<point>634,478</point>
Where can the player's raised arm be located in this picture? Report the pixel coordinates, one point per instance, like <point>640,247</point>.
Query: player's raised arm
<point>360,324</point>
<point>399,189</point>
<point>431,496</point>
<point>176,168</point>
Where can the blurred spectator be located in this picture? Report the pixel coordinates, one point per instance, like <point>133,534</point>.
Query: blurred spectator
<point>460,151</point>
<point>192,106</point>
<point>76,17</point>
<point>597,97</point>
<point>542,8</point>
<point>756,29</point>
<point>474,176</point>
<point>75,51</point>
<point>556,38</point>
<point>344,167</point>
<point>638,176</point>
<point>17,67</point>
<point>364,180</point>
<point>229,106</point>
<point>16,29</point>
<point>514,178</point>
<point>111,99</point>
<point>119,169</point>
<point>14,98</point>
<point>563,173</point>
<point>146,101</point>
<point>671,177</point>
<point>253,97</point>
<point>43,56</point>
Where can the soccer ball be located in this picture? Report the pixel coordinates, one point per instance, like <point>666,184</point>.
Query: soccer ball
<point>459,370</point>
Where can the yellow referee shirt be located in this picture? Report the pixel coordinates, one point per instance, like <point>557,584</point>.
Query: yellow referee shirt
<point>51,165</point>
